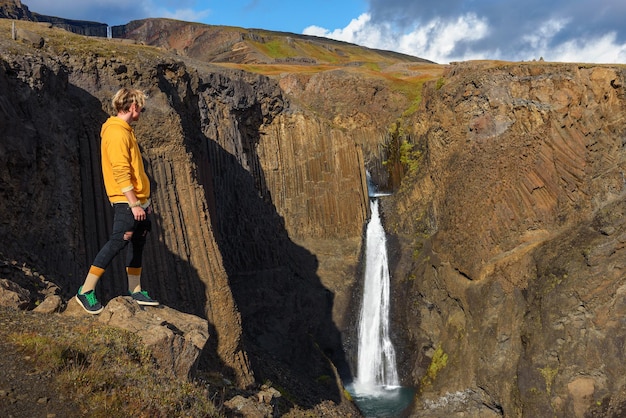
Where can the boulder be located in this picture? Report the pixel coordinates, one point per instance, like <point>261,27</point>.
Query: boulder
<point>13,295</point>
<point>175,338</point>
<point>31,37</point>
<point>51,304</point>
<point>249,407</point>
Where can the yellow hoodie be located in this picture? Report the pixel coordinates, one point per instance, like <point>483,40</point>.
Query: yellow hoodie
<point>122,166</point>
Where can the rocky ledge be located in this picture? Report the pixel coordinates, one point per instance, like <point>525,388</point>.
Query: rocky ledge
<point>30,304</point>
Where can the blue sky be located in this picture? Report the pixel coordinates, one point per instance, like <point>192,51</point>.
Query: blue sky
<point>590,31</point>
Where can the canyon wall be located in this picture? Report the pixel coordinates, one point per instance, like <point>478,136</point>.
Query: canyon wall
<point>506,234</point>
<point>509,242</point>
<point>14,9</point>
<point>245,186</point>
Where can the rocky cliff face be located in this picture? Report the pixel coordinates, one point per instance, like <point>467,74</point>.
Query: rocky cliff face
<point>14,9</point>
<point>243,184</point>
<point>507,233</point>
<point>510,242</point>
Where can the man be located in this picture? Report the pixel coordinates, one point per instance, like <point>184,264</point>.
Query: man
<point>128,189</point>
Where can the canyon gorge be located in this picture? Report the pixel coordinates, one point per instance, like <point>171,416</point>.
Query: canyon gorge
<point>505,221</point>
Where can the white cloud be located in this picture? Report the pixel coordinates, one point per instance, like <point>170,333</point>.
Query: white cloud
<point>541,38</point>
<point>447,40</point>
<point>603,49</point>
<point>435,40</point>
<point>356,31</point>
<point>188,15</point>
<point>438,39</point>
<point>592,49</point>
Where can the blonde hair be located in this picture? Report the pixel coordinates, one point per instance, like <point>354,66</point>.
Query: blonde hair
<point>125,97</point>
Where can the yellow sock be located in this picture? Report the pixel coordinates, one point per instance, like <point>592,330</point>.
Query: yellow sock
<point>92,278</point>
<point>134,279</point>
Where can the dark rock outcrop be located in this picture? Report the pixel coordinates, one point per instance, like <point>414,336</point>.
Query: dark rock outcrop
<point>80,27</point>
<point>175,339</point>
<point>14,9</point>
<point>242,184</point>
<point>510,241</point>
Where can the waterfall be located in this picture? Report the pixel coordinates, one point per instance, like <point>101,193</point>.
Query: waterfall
<point>376,368</point>
<point>375,388</point>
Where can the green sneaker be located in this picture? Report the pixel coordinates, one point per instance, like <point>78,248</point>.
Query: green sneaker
<point>142,298</point>
<point>89,302</point>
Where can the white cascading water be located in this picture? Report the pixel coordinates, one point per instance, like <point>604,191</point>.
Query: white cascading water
<point>375,388</point>
<point>376,367</point>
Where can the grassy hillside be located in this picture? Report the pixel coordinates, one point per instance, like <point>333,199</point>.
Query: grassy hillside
<point>278,53</point>
<point>274,54</point>
<point>212,43</point>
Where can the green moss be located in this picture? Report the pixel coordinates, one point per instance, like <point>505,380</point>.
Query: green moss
<point>552,281</point>
<point>324,379</point>
<point>403,157</point>
<point>409,156</point>
<point>549,374</point>
<point>46,350</point>
<point>372,66</point>
<point>438,362</point>
<point>276,49</point>
<point>347,395</point>
<point>412,90</point>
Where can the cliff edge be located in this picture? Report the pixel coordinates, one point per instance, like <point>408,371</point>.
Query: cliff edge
<point>241,179</point>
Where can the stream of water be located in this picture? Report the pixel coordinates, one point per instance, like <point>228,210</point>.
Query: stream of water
<point>376,389</point>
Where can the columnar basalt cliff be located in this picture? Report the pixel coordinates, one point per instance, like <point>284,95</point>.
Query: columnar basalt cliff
<point>242,181</point>
<point>510,239</point>
<point>506,234</point>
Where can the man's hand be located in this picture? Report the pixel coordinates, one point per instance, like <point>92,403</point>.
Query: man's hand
<point>139,213</point>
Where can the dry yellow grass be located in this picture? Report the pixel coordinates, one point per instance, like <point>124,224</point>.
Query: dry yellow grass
<point>107,371</point>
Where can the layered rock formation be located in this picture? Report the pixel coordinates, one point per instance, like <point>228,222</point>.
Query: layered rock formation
<point>14,9</point>
<point>507,232</point>
<point>242,182</point>
<point>510,242</point>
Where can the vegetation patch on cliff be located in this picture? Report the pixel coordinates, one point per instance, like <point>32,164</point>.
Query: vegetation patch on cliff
<point>438,362</point>
<point>105,370</point>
